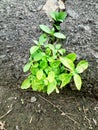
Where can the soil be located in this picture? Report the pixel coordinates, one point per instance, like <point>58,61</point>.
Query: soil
<point>27,110</point>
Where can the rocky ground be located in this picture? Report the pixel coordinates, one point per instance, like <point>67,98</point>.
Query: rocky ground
<point>24,110</point>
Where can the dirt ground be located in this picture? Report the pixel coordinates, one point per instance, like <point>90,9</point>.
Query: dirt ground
<point>26,110</point>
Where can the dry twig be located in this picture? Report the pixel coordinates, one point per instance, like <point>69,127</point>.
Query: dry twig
<point>6,113</point>
<point>62,112</point>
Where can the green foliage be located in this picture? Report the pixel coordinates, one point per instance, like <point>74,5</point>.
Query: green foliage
<point>50,67</point>
<point>52,32</point>
<point>50,70</point>
<point>58,17</point>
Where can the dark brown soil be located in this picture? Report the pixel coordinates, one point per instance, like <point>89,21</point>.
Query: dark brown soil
<point>26,110</point>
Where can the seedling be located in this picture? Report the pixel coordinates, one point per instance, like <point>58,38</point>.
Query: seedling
<point>58,17</point>
<point>50,67</point>
<point>52,32</point>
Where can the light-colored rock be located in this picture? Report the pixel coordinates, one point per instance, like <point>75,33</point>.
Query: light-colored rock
<point>33,99</point>
<point>53,5</point>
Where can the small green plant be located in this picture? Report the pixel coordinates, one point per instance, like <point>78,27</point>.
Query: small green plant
<point>54,33</point>
<point>50,67</point>
<point>51,32</point>
<point>58,17</point>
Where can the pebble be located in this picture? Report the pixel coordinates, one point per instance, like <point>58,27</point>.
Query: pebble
<point>95,54</point>
<point>33,99</point>
<point>2,56</point>
<point>85,27</point>
<point>39,8</point>
<point>17,127</point>
<point>96,6</point>
<point>12,98</point>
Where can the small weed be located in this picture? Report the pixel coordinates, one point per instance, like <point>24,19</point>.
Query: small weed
<point>50,67</point>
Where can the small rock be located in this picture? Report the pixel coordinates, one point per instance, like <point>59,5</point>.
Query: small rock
<point>9,46</point>
<point>33,99</point>
<point>96,6</point>
<point>12,98</point>
<point>95,122</point>
<point>39,105</point>
<point>95,53</point>
<point>2,125</point>
<point>17,127</point>
<point>85,27</point>
<point>39,8</point>
<point>53,5</point>
<point>63,114</point>
<point>2,56</point>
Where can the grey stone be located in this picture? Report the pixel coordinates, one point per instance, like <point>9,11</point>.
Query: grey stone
<point>85,27</point>
<point>39,8</point>
<point>33,99</point>
<point>2,56</point>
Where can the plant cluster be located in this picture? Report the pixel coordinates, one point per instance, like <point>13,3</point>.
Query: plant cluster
<point>50,67</point>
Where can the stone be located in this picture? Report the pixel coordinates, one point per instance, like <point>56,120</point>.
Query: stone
<point>33,99</point>
<point>53,5</point>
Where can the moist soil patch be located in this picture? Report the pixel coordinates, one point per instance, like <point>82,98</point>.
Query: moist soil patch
<point>27,110</point>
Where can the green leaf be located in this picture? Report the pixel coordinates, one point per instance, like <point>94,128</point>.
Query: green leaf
<point>55,63</point>
<point>42,39</point>
<point>50,46</point>
<point>34,69</point>
<point>52,31</point>
<point>33,49</point>
<point>56,70</point>
<point>45,29</point>
<point>62,51</point>
<point>53,15</point>
<point>59,35</point>
<point>39,56</point>
<point>36,42</point>
<point>65,78</point>
<point>62,69</point>
<point>35,65</point>
<point>58,16</point>
<point>45,82</point>
<point>58,46</point>
<point>51,59</point>
<point>72,56</point>
<point>57,27</point>
<point>27,67</point>
<point>43,64</point>
<point>67,63</point>
<point>61,16</point>
<point>51,87</point>
<point>48,69</point>
<point>51,76</point>
<point>78,81</point>
<point>57,90</point>
<point>81,66</point>
<point>37,85</point>
<point>39,74</point>
<point>26,84</point>
<point>48,51</point>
